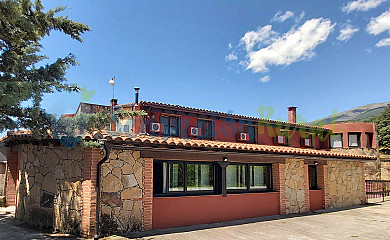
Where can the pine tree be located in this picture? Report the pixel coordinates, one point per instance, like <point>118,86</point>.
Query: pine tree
<point>383,127</point>
<point>23,77</point>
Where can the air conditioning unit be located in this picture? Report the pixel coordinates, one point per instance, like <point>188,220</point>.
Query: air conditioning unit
<point>243,136</point>
<point>195,131</point>
<point>156,127</point>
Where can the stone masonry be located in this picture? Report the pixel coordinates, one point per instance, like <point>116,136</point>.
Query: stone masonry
<point>295,185</point>
<point>346,183</point>
<point>122,186</point>
<point>49,187</point>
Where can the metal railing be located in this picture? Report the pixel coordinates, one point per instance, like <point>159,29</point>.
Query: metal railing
<point>377,188</point>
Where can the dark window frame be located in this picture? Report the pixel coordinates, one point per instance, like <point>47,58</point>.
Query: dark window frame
<point>342,140</point>
<point>178,123</point>
<point>185,192</point>
<point>359,141</point>
<point>255,132</point>
<point>311,169</point>
<point>211,133</point>
<point>247,176</point>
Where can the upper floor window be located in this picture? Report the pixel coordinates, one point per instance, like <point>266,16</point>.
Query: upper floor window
<point>252,132</point>
<point>336,141</point>
<point>282,138</point>
<point>207,129</point>
<point>369,139</point>
<point>353,139</point>
<point>171,125</point>
<point>307,141</point>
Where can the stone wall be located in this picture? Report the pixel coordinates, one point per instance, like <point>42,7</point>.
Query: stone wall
<point>295,184</point>
<point>49,187</point>
<point>346,183</point>
<point>385,168</point>
<point>121,192</point>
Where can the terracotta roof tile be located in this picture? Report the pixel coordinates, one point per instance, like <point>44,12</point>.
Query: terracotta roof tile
<point>210,144</point>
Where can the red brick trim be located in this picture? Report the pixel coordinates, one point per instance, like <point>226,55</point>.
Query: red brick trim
<point>147,194</point>
<point>278,184</point>
<point>12,178</point>
<point>306,186</point>
<point>322,182</point>
<point>92,156</point>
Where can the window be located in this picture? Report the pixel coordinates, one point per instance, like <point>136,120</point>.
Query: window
<point>126,128</point>
<point>336,141</point>
<point>353,139</point>
<point>252,132</point>
<point>236,177</point>
<point>258,177</point>
<point>183,177</point>
<point>307,141</point>
<point>176,177</point>
<point>248,177</point>
<point>171,125</point>
<point>369,138</point>
<point>200,177</point>
<point>281,139</point>
<point>313,177</point>
<point>207,128</point>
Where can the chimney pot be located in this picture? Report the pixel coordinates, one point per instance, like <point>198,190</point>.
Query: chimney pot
<point>292,114</point>
<point>136,94</point>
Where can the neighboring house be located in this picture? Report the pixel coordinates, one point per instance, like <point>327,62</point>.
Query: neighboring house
<point>180,166</point>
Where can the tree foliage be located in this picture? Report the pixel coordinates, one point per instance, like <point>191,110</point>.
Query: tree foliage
<point>383,127</point>
<point>23,77</point>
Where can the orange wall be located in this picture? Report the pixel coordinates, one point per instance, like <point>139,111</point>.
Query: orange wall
<point>192,210</point>
<point>316,199</point>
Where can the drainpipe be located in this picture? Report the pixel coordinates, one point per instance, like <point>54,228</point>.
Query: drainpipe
<point>99,168</point>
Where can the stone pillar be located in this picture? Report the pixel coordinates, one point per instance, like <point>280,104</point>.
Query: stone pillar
<point>278,185</point>
<point>12,178</point>
<point>363,165</point>
<point>92,156</point>
<point>147,194</point>
<point>322,182</point>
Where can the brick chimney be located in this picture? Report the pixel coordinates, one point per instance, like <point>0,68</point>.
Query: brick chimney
<point>292,114</point>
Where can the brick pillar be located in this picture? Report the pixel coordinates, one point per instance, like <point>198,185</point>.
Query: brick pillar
<point>147,194</point>
<point>92,156</point>
<point>322,182</point>
<point>278,184</point>
<point>307,187</point>
<point>12,178</point>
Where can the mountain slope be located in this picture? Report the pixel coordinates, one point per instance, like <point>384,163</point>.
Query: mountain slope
<point>355,114</point>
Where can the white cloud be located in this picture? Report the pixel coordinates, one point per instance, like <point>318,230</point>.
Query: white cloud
<point>231,57</point>
<point>230,46</point>
<point>384,42</point>
<point>301,16</point>
<point>262,35</point>
<point>295,45</point>
<point>361,5</point>
<point>346,32</point>
<point>379,24</point>
<point>368,50</point>
<point>265,79</point>
<point>280,17</point>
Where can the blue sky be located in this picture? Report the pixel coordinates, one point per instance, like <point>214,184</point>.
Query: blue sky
<point>215,54</point>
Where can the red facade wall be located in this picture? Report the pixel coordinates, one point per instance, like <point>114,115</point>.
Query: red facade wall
<point>192,210</point>
<point>228,129</point>
<point>362,128</point>
<point>316,199</point>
